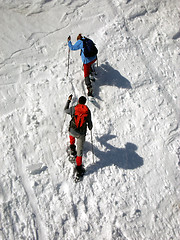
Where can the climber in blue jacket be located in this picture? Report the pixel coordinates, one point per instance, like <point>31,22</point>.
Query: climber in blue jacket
<point>87,61</point>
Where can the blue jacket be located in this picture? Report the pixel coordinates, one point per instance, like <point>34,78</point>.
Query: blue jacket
<point>77,46</point>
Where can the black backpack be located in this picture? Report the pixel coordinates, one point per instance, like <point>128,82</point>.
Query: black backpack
<point>90,49</point>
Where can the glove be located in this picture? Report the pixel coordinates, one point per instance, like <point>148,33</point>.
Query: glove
<point>69,38</point>
<point>70,97</point>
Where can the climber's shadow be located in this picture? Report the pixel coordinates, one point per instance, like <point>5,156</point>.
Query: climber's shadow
<point>125,158</point>
<point>107,75</point>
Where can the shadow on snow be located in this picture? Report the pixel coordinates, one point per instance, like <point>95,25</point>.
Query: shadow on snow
<point>109,76</point>
<point>125,158</point>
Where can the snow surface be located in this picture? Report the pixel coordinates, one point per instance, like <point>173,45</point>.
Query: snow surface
<point>132,187</point>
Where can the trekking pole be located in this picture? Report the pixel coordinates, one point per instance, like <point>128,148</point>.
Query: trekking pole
<point>63,124</point>
<point>92,146</point>
<point>69,98</point>
<point>68,61</point>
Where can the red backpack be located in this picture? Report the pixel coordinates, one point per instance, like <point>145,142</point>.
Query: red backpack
<point>80,115</point>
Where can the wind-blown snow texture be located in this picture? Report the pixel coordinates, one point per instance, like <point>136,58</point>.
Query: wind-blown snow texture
<point>132,189</point>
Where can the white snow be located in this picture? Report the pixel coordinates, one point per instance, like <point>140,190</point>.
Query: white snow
<point>132,187</point>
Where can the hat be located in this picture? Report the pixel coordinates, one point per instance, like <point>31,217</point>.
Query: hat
<point>82,100</point>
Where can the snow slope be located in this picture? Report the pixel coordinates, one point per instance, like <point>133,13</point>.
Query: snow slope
<point>131,190</point>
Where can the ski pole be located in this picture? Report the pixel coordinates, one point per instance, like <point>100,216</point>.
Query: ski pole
<point>92,146</point>
<point>63,124</point>
<point>69,98</point>
<point>68,61</point>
